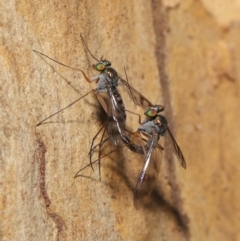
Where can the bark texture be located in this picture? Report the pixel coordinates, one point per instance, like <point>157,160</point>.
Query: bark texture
<point>182,54</point>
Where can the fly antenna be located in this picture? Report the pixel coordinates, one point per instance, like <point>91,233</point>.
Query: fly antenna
<point>157,99</point>
<point>85,45</point>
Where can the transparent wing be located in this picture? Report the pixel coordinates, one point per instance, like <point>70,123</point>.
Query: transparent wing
<point>116,116</point>
<point>136,96</point>
<point>176,148</point>
<point>149,174</point>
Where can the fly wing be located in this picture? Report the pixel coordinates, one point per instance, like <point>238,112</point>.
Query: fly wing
<point>149,174</point>
<point>136,96</point>
<point>116,115</point>
<point>176,148</point>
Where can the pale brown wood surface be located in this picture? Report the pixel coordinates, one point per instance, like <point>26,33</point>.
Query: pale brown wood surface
<point>182,54</point>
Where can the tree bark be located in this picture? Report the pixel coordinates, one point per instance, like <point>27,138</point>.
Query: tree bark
<point>182,54</point>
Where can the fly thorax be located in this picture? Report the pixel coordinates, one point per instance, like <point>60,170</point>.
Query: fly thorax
<point>102,84</point>
<point>111,76</point>
<point>147,127</point>
<point>161,124</point>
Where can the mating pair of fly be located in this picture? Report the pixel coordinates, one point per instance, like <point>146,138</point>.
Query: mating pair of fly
<point>152,128</point>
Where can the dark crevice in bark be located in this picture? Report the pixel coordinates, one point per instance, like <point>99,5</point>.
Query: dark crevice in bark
<point>160,25</point>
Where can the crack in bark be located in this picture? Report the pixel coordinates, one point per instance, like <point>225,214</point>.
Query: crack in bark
<point>57,219</point>
<point>160,24</point>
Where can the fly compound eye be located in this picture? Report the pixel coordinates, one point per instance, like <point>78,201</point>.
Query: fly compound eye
<point>99,66</point>
<point>150,113</point>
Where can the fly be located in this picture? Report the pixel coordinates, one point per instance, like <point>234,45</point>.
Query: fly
<point>154,126</point>
<point>152,113</point>
<point>107,82</point>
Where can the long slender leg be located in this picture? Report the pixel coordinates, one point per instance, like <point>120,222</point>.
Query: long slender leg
<point>94,147</point>
<point>76,175</point>
<point>41,122</point>
<point>128,142</point>
<point>139,116</point>
<point>93,140</point>
<point>99,154</point>
<point>67,66</point>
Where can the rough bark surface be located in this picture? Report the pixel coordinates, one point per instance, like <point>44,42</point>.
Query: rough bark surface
<point>182,54</point>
